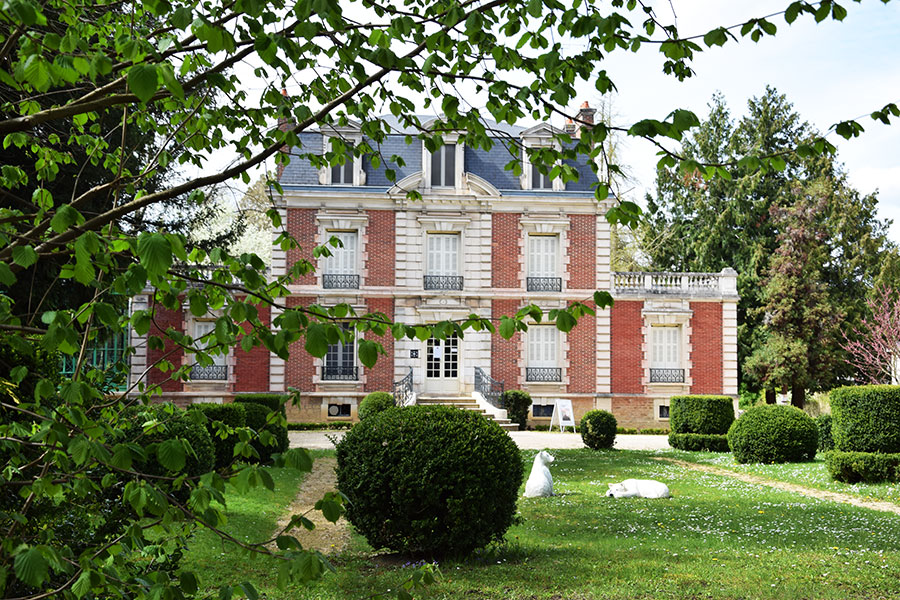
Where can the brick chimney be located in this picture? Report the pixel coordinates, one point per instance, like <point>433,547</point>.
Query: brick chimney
<point>570,127</point>
<point>586,114</point>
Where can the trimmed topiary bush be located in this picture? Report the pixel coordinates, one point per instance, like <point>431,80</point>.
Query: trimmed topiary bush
<point>233,415</point>
<point>272,401</point>
<point>429,479</point>
<point>773,434</point>
<point>176,424</point>
<point>699,442</point>
<point>866,418</point>
<point>598,429</point>
<point>256,415</point>
<point>867,467</point>
<point>709,415</point>
<point>826,441</point>
<point>375,403</point>
<point>517,403</point>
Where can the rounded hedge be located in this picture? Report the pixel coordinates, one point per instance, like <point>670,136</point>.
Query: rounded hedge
<point>429,479</point>
<point>708,415</point>
<point>517,403</point>
<point>773,434</point>
<point>826,440</point>
<point>866,418</point>
<point>272,401</point>
<point>177,424</point>
<point>375,403</point>
<point>256,416</point>
<point>598,429</point>
<point>699,442</point>
<point>233,415</point>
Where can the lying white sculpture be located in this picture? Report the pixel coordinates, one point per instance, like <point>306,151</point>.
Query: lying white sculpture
<point>638,488</point>
<point>540,482</point>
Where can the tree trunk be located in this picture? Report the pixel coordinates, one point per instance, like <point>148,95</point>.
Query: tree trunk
<point>770,396</point>
<point>798,397</point>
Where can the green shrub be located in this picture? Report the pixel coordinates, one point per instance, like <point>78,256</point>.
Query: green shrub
<point>272,401</point>
<point>867,467</point>
<point>826,440</point>
<point>773,434</point>
<point>655,431</point>
<point>232,415</point>
<point>429,479</point>
<point>701,414</point>
<point>866,418</point>
<point>375,403</point>
<point>256,415</point>
<point>176,424</point>
<point>319,426</point>
<point>598,429</point>
<point>697,442</point>
<point>517,403</point>
<point>627,430</point>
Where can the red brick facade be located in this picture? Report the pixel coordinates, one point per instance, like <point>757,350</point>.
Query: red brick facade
<point>583,252</point>
<point>627,338</point>
<point>505,251</point>
<point>583,356</point>
<point>505,353</point>
<point>300,367</point>
<point>381,233</point>
<point>301,223</point>
<point>163,320</point>
<point>706,348</point>
<point>251,369</point>
<point>380,378</point>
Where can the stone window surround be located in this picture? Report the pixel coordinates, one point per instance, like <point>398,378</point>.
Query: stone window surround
<point>358,222</point>
<point>545,225</point>
<point>351,136</point>
<point>189,324</point>
<point>562,351</point>
<point>319,364</point>
<point>538,138</point>
<point>450,137</point>
<point>436,223</point>
<point>666,314</point>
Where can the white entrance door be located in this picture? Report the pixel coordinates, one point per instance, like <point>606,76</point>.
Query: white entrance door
<point>442,365</point>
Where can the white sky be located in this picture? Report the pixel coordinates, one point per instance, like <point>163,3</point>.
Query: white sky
<point>830,71</point>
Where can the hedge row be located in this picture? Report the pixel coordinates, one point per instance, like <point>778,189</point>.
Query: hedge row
<point>333,425</point>
<point>694,442</point>
<point>271,401</point>
<point>866,418</point>
<point>708,415</point>
<point>868,467</point>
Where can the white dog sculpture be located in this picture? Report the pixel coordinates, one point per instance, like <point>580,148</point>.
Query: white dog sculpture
<point>540,482</point>
<point>638,488</point>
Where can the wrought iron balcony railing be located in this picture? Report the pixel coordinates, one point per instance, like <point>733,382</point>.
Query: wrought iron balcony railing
<point>209,372</point>
<point>543,284</point>
<point>443,282</point>
<point>340,373</point>
<point>340,281</point>
<point>666,375</point>
<point>551,374</point>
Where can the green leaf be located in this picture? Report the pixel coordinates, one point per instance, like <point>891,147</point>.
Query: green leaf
<point>64,218</point>
<point>316,340</point>
<point>507,327</point>
<point>368,353</point>
<point>249,591</point>
<point>170,454</point>
<point>17,374</point>
<point>82,585</point>
<point>155,253</point>
<point>298,458</point>
<point>24,256</point>
<point>143,81</point>
<point>565,321</point>
<point>331,506</point>
<point>31,567</point>
<point>6,275</point>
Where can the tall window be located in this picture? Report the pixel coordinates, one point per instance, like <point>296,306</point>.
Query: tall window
<point>665,355</point>
<point>342,174</point>
<point>443,166</point>
<point>216,371</point>
<point>442,262</point>
<point>340,362</point>
<point>340,269</point>
<point>543,354</point>
<point>543,274</point>
<point>539,181</point>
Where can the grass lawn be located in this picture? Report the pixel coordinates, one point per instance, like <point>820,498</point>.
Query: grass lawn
<point>717,538</point>
<point>810,474</point>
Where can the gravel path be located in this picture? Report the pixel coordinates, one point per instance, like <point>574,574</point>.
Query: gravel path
<point>526,440</point>
<point>789,487</point>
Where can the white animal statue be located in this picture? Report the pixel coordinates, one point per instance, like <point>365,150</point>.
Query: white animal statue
<point>540,482</point>
<point>638,488</point>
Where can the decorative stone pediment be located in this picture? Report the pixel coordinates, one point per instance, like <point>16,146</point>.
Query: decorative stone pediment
<point>472,184</point>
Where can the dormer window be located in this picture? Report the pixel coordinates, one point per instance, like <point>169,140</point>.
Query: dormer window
<point>538,137</point>
<point>539,181</point>
<point>347,167</point>
<point>342,174</point>
<point>443,166</point>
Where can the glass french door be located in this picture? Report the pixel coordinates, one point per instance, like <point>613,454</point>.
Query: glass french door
<point>442,365</point>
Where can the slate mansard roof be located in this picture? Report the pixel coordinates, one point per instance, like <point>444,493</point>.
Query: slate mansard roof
<point>489,165</point>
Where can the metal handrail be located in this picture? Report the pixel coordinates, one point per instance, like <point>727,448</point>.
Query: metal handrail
<point>490,388</point>
<point>403,389</point>
<point>666,375</point>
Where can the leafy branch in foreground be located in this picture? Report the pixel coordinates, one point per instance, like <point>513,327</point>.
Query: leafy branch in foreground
<point>82,511</point>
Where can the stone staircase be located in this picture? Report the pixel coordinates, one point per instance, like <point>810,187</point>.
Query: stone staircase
<point>465,403</point>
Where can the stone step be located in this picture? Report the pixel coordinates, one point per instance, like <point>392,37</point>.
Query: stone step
<point>465,403</point>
